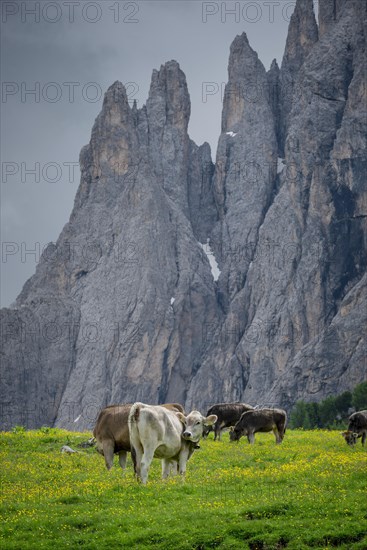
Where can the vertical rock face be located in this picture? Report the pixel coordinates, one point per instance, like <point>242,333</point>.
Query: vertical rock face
<point>329,13</point>
<point>273,77</point>
<point>126,305</point>
<point>202,207</point>
<point>245,167</point>
<point>297,326</point>
<point>168,111</point>
<point>123,295</point>
<point>302,35</point>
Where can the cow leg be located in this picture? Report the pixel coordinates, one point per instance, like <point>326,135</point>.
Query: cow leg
<point>108,451</point>
<point>278,439</point>
<point>146,461</point>
<point>251,438</point>
<point>133,458</point>
<point>122,459</point>
<point>137,453</point>
<point>364,435</point>
<point>136,450</point>
<point>281,436</point>
<point>217,430</point>
<point>99,448</point>
<point>183,458</point>
<point>174,467</point>
<point>168,466</point>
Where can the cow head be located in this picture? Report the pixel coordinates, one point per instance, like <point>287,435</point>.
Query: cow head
<point>236,433</point>
<point>207,430</point>
<point>350,437</point>
<point>194,424</point>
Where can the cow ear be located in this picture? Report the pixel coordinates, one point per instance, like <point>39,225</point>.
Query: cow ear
<point>181,417</point>
<point>355,434</point>
<point>210,420</point>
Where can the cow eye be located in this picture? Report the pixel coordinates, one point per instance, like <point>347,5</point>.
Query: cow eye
<point>197,423</point>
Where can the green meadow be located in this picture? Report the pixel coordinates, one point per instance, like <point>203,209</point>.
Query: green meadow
<point>308,492</point>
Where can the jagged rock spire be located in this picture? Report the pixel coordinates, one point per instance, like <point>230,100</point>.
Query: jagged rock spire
<point>302,35</point>
<point>169,100</point>
<point>168,112</point>
<point>245,73</point>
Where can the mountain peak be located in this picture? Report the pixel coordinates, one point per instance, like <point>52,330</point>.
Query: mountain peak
<point>169,99</point>
<point>240,40</point>
<point>302,35</point>
<point>241,50</point>
<point>274,65</point>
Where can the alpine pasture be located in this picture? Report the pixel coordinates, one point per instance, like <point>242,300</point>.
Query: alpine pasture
<point>308,492</point>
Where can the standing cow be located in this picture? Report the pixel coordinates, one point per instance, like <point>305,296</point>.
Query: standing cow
<point>165,434</point>
<point>112,432</point>
<point>260,420</point>
<point>357,427</point>
<point>228,415</point>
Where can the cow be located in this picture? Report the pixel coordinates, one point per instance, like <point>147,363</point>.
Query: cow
<point>260,420</point>
<point>357,427</point>
<point>228,415</point>
<point>165,434</point>
<point>112,432</point>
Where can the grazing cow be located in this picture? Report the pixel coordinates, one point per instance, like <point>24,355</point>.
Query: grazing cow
<point>357,428</point>
<point>112,432</point>
<point>260,420</point>
<point>228,415</point>
<point>165,434</point>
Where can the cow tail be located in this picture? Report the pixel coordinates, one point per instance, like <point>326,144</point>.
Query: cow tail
<point>133,424</point>
<point>134,416</point>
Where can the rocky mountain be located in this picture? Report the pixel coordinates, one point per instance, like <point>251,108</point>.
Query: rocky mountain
<point>129,304</point>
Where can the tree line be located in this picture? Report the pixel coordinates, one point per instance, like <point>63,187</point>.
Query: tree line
<point>332,412</point>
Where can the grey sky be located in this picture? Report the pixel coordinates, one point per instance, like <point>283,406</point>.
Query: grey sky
<point>60,44</point>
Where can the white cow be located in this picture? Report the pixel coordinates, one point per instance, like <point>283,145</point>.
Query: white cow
<point>168,435</point>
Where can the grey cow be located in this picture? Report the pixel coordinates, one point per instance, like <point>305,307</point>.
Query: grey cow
<point>228,415</point>
<point>260,420</point>
<point>357,427</point>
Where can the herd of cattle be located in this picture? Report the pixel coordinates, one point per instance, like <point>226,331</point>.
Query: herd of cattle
<point>166,432</point>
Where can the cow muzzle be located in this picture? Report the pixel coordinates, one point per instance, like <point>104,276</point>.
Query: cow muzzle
<point>186,434</point>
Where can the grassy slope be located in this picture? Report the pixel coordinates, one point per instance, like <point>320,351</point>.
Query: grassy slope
<point>309,492</point>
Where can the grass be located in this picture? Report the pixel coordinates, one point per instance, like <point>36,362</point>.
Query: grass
<point>309,492</point>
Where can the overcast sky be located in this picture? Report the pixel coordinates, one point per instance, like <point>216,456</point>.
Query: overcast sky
<point>68,53</point>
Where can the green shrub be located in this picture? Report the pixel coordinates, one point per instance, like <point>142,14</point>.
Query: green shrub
<point>359,398</point>
<point>332,412</point>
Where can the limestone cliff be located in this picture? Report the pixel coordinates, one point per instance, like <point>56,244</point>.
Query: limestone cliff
<point>179,280</point>
<point>296,326</point>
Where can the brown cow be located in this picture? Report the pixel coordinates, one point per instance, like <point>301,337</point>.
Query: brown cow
<point>228,415</point>
<point>357,428</point>
<point>260,420</point>
<point>112,432</point>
